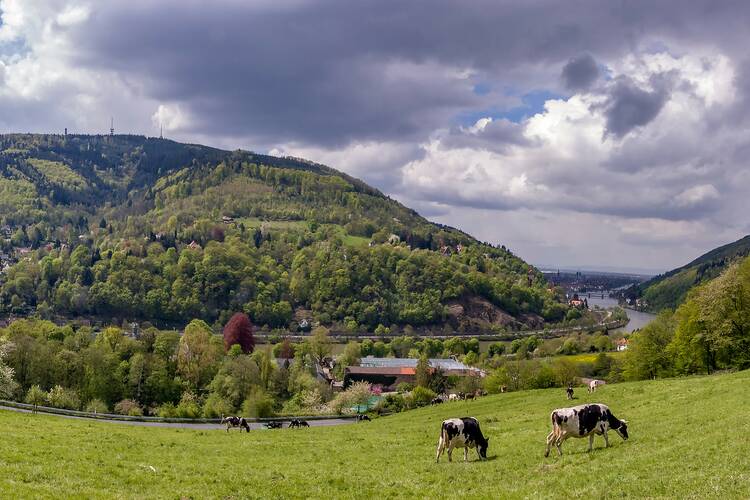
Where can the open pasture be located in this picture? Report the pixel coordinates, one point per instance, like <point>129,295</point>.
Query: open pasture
<point>689,438</point>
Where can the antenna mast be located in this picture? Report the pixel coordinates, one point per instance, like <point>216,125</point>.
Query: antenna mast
<point>112,127</point>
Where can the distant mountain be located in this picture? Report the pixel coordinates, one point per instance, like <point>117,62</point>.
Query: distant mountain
<point>669,290</point>
<point>136,228</point>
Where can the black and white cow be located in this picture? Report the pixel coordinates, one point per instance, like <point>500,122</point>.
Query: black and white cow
<point>581,421</point>
<point>462,432</point>
<point>236,422</point>
<point>298,423</point>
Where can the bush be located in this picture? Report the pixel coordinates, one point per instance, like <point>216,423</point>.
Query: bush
<point>422,396</point>
<point>97,406</point>
<point>404,387</point>
<point>167,410</point>
<point>258,405</point>
<point>496,349</point>
<point>61,397</point>
<point>128,407</point>
<point>358,393</point>
<point>36,396</point>
<point>188,407</point>
<point>392,403</point>
<point>216,406</point>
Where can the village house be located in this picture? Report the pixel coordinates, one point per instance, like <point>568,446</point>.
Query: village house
<point>622,344</point>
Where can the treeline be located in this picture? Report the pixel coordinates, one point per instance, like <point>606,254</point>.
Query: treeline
<point>710,331</point>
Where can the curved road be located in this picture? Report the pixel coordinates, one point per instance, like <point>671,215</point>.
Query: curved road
<point>180,425</point>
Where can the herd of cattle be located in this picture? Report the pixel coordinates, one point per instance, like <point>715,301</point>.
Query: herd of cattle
<point>586,420</point>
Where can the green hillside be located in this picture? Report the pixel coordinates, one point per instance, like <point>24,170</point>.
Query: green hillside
<point>668,290</point>
<point>132,228</point>
<point>687,441</point>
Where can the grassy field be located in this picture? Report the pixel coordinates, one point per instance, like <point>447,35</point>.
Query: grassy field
<point>689,438</point>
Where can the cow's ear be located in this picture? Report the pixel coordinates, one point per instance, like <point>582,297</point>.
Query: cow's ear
<point>624,421</point>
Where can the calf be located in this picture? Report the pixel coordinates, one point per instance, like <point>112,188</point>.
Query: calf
<point>569,391</point>
<point>581,421</point>
<point>462,432</point>
<point>594,384</point>
<point>236,422</point>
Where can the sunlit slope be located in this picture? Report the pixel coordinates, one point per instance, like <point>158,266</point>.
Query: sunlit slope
<point>689,437</point>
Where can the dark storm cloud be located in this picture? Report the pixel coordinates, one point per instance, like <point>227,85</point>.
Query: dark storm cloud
<point>330,73</point>
<point>630,106</point>
<point>580,73</point>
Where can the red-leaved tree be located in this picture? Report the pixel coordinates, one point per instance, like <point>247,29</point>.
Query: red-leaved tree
<point>239,330</point>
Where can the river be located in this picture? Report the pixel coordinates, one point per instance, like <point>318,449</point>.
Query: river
<point>638,319</point>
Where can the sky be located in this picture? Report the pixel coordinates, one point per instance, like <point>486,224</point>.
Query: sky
<point>581,134</point>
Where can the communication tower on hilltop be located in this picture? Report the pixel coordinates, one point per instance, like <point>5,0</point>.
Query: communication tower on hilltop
<point>112,127</point>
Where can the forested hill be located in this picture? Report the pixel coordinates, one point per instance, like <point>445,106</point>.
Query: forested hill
<point>132,228</point>
<point>669,290</point>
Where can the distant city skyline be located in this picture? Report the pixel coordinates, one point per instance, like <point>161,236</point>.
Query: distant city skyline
<point>592,135</point>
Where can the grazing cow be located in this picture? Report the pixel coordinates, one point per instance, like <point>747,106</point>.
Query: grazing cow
<point>298,423</point>
<point>462,432</point>
<point>436,401</point>
<point>275,425</point>
<point>569,391</point>
<point>581,421</point>
<point>453,397</point>
<point>236,422</point>
<point>361,418</point>
<point>594,383</point>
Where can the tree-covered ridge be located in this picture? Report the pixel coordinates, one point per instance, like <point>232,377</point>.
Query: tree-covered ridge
<point>669,290</point>
<point>155,230</point>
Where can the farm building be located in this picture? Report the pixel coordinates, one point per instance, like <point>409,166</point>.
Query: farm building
<point>389,372</point>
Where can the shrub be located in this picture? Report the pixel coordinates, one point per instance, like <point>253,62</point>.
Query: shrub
<point>188,407</point>
<point>404,387</point>
<point>258,405</point>
<point>216,406</point>
<point>422,396</point>
<point>167,410</point>
<point>97,406</point>
<point>62,397</point>
<point>128,407</point>
<point>36,396</point>
<point>392,403</point>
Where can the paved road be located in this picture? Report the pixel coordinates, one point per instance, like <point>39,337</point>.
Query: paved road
<point>178,425</point>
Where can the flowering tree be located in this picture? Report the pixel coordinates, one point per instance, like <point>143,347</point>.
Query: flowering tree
<point>7,384</point>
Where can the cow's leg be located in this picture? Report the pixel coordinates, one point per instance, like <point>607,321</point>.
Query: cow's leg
<point>450,452</point>
<point>606,439</point>
<point>591,441</point>
<point>551,437</point>
<point>466,453</point>
<point>440,448</point>
<point>559,442</point>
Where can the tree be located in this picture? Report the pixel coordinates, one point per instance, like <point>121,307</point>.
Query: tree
<point>321,345</point>
<point>36,396</point>
<point>647,355</point>
<point>239,330</point>
<point>197,357</point>
<point>7,384</point>
<point>423,372</point>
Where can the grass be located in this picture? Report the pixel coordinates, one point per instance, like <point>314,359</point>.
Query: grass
<point>689,438</point>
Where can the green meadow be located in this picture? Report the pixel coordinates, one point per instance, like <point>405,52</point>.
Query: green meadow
<point>690,437</point>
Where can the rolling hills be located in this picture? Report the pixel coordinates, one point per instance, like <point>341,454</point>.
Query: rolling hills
<point>686,441</point>
<point>668,290</point>
<point>134,228</point>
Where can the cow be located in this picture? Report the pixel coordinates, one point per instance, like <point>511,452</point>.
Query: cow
<point>462,432</point>
<point>453,397</point>
<point>274,425</point>
<point>594,383</point>
<point>362,418</point>
<point>569,391</point>
<point>298,423</point>
<point>236,422</point>
<point>436,401</point>
<point>581,421</point>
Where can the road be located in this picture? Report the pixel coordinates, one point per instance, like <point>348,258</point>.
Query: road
<point>180,425</point>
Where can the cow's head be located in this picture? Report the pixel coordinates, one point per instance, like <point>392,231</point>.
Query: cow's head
<point>482,448</point>
<point>623,430</point>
